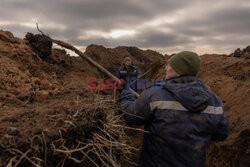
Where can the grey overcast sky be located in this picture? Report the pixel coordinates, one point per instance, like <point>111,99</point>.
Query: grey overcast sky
<point>167,26</point>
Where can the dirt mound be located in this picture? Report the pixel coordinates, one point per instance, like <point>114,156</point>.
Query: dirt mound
<point>26,78</point>
<point>21,72</point>
<point>242,53</point>
<point>48,116</point>
<point>113,58</point>
<point>229,77</point>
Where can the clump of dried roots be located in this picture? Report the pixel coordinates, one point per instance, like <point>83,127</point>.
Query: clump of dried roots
<point>95,137</point>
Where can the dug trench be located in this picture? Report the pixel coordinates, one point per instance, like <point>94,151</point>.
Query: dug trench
<point>48,117</point>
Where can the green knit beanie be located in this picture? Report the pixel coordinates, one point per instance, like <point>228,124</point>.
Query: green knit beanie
<point>185,63</point>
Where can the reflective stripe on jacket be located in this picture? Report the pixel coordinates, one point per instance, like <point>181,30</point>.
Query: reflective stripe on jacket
<point>181,115</point>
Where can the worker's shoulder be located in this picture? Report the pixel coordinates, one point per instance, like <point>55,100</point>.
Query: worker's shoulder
<point>157,90</point>
<point>216,99</point>
<point>156,94</point>
<point>133,66</point>
<point>154,84</point>
<point>121,67</point>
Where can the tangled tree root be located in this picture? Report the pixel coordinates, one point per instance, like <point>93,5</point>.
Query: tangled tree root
<point>95,136</point>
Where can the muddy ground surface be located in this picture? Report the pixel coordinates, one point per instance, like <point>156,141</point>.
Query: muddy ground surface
<point>41,92</point>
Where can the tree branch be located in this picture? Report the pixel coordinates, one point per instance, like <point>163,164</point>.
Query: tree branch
<point>71,47</point>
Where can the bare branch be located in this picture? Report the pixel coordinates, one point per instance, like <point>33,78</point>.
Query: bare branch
<point>78,52</point>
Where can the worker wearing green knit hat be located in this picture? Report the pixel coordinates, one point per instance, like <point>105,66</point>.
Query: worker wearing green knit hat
<point>179,114</point>
<point>185,63</point>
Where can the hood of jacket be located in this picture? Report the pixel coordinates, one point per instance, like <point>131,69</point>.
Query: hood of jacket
<point>191,92</point>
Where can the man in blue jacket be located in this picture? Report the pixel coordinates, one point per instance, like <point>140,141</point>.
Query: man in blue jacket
<point>181,115</point>
<point>129,73</point>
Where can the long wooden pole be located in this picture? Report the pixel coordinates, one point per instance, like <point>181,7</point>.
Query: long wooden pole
<point>71,47</point>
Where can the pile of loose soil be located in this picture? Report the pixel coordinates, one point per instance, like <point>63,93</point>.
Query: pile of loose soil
<point>112,58</point>
<point>229,77</point>
<point>242,53</point>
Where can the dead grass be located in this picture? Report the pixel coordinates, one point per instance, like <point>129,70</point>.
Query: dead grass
<point>95,136</point>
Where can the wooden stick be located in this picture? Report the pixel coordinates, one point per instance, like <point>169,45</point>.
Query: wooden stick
<point>71,47</point>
